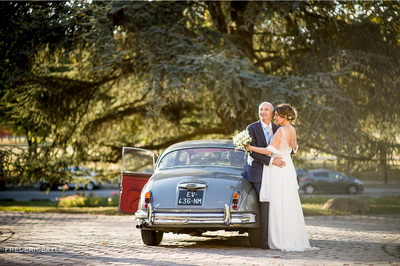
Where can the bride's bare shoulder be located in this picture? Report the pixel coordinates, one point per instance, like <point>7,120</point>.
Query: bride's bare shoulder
<point>290,131</point>
<point>278,132</point>
<point>293,131</point>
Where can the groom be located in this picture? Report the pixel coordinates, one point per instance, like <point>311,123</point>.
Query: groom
<point>261,133</point>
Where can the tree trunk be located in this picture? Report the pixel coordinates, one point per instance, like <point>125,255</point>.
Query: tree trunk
<point>384,165</point>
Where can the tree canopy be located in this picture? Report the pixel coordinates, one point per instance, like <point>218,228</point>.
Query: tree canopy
<point>82,79</point>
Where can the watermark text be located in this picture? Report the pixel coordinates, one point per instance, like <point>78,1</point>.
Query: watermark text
<point>33,249</point>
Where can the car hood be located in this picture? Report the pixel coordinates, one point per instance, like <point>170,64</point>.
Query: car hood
<point>219,183</point>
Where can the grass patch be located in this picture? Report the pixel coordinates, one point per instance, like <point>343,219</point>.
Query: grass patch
<point>89,210</point>
<point>32,203</point>
<point>313,199</point>
<point>389,204</point>
<point>316,210</point>
<point>312,205</point>
<point>79,203</point>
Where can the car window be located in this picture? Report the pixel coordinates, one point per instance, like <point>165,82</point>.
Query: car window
<point>203,156</point>
<point>333,176</point>
<point>169,160</point>
<point>183,158</point>
<point>336,176</point>
<point>321,174</point>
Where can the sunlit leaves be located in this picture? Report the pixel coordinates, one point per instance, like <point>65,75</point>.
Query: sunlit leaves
<point>90,77</point>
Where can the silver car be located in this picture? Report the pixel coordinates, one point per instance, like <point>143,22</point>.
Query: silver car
<point>79,178</point>
<point>197,186</point>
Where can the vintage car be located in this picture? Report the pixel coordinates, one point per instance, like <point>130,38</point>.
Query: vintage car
<point>197,186</point>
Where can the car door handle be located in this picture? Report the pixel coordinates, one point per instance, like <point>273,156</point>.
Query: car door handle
<point>192,186</point>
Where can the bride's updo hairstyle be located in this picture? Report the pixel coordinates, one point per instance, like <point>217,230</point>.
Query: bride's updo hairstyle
<point>286,111</point>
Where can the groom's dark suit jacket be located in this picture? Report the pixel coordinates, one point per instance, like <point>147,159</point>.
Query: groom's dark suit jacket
<point>254,171</point>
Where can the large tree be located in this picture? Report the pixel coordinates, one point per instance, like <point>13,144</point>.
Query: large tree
<point>83,79</point>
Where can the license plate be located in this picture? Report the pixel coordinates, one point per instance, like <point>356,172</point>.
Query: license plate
<point>187,197</point>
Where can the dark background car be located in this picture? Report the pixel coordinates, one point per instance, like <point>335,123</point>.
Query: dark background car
<point>2,176</point>
<point>81,178</point>
<point>301,172</point>
<point>324,180</point>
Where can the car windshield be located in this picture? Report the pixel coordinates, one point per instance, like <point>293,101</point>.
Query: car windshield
<point>202,157</point>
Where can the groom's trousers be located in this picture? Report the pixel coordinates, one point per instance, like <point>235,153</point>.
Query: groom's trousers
<point>264,213</point>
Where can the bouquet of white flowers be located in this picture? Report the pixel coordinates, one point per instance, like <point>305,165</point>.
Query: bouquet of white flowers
<point>241,139</point>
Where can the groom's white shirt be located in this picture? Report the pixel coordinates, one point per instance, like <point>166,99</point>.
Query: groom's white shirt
<point>249,158</point>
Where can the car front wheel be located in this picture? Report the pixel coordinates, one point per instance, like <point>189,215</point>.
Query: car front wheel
<point>152,237</point>
<point>90,186</point>
<point>43,186</point>
<point>352,189</point>
<point>309,189</point>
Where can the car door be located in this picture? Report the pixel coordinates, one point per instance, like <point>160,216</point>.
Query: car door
<point>137,167</point>
<point>321,180</point>
<point>338,181</point>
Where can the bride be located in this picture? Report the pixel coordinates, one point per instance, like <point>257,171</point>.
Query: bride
<point>286,230</point>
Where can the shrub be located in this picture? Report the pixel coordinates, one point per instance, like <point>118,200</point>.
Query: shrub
<point>72,201</point>
<point>81,200</point>
<point>114,199</point>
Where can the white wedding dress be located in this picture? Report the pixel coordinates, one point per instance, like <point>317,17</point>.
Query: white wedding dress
<point>286,226</point>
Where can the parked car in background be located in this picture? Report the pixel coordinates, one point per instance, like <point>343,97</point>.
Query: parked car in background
<point>324,180</point>
<point>301,172</point>
<point>2,176</point>
<point>197,186</point>
<point>81,178</point>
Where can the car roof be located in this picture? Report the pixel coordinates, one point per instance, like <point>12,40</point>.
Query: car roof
<point>220,143</point>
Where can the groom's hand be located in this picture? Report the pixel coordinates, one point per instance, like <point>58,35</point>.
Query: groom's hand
<point>278,162</point>
<point>293,144</point>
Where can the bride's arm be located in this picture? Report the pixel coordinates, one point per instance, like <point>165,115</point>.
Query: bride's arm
<point>274,143</point>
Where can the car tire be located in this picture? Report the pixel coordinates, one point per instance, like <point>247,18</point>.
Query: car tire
<point>255,237</point>
<point>151,237</point>
<point>352,189</point>
<point>44,186</point>
<point>89,186</point>
<point>309,189</point>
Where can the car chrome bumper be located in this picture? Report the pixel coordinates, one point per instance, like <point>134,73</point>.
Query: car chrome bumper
<point>152,217</point>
